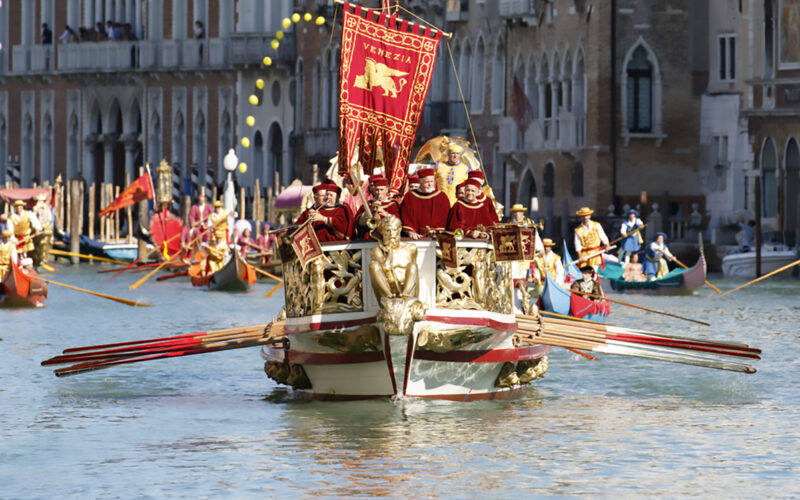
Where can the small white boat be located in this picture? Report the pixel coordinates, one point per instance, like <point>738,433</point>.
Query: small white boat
<point>743,265</point>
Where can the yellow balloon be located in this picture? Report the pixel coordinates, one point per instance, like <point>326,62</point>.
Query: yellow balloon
<point>251,120</point>
<point>296,17</point>
<point>286,23</point>
<point>307,16</point>
<point>279,35</point>
<point>259,84</point>
<point>267,60</point>
<point>254,99</point>
<point>275,44</point>
<point>243,167</point>
<point>245,142</point>
<point>320,21</point>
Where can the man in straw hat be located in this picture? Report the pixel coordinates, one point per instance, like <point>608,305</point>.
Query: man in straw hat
<point>218,222</point>
<point>550,262</point>
<point>8,252</point>
<point>26,226</point>
<point>426,208</point>
<point>590,239</point>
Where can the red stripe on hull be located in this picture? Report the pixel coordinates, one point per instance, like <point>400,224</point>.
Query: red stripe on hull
<point>491,356</point>
<point>460,320</point>
<point>329,325</point>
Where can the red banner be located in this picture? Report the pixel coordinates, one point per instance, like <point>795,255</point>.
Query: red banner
<point>306,244</point>
<point>385,72</point>
<point>140,189</point>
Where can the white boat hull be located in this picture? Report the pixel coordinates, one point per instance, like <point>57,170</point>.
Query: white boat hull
<point>743,265</point>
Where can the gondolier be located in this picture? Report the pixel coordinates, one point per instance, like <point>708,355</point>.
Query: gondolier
<point>589,239</point>
<point>632,241</point>
<point>655,264</point>
<point>26,227</point>
<point>8,252</point>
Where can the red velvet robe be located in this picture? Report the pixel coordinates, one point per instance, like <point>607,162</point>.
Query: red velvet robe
<point>424,210</point>
<point>468,216</point>
<point>391,207</point>
<point>338,227</point>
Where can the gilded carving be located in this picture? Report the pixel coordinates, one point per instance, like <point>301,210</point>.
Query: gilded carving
<point>508,376</point>
<point>479,282</point>
<point>329,284</point>
<point>532,369</point>
<point>436,340</point>
<point>287,374</point>
<point>362,339</point>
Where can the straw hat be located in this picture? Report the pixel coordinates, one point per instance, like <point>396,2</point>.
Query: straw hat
<point>517,207</point>
<point>548,242</point>
<point>6,233</point>
<point>217,204</point>
<point>584,211</point>
<point>19,203</point>
<point>455,148</point>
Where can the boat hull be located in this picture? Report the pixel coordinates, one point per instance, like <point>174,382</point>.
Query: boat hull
<point>677,282</point>
<point>743,265</point>
<point>561,301</point>
<point>21,290</point>
<point>126,252</point>
<point>235,276</point>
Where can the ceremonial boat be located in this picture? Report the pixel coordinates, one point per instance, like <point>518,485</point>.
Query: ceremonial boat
<point>380,319</point>
<point>235,276</point>
<point>21,290</point>
<point>562,301</point>
<point>678,281</point>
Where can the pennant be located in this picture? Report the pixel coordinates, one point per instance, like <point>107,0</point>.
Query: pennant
<point>385,73</point>
<point>306,245</point>
<point>521,111</point>
<point>447,244</point>
<point>507,242</point>
<point>140,189</point>
<point>528,235</point>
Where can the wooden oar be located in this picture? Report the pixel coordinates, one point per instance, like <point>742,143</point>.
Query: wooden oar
<point>173,275</point>
<point>268,275</point>
<point>62,253</point>
<point>272,276</point>
<point>48,267</point>
<point>629,233</point>
<point>591,256</point>
<point>675,259</point>
<point>597,297</point>
<point>132,264</point>
<point>109,297</point>
<point>117,270</point>
<point>763,277</point>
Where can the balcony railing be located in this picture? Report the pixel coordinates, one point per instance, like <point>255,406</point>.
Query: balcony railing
<point>517,8</point>
<point>250,48</point>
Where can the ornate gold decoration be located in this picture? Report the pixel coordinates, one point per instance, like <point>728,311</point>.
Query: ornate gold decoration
<point>362,339</point>
<point>438,340</point>
<point>287,374</point>
<point>508,376</point>
<point>395,279</point>
<point>377,74</point>
<point>329,284</point>
<point>477,283</point>
<point>532,369</point>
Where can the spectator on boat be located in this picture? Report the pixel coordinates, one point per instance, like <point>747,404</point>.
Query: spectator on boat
<point>460,190</point>
<point>267,243</point>
<point>330,223</point>
<point>631,242</point>
<point>199,214</point>
<point>413,182</point>
<point>588,284</point>
<point>747,235</point>
<point>589,239</point>
<point>425,209</point>
<point>655,264</point>
<point>381,206</point>
<point>469,214</point>
<point>632,271</point>
<point>26,227</point>
<point>334,194</point>
<point>488,203</point>
<point>8,252</point>
<point>518,216</point>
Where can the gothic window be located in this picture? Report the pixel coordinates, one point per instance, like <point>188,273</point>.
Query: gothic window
<point>499,77</point>
<point>769,179</point>
<point>478,77</point>
<point>577,179</point>
<point>639,92</point>
<point>549,188</point>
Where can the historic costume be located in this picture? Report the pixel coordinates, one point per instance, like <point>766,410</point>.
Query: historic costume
<point>488,204</point>
<point>267,243</point>
<point>451,172</point>
<point>8,253</point>
<point>630,244</point>
<point>550,262</point>
<point>198,215</point>
<point>336,225</point>
<point>468,216</point>
<point>217,252</point>
<point>588,284</point>
<point>26,224</point>
<point>218,222</point>
<point>422,210</point>
<point>589,238</point>
<point>390,206</point>
<point>655,264</point>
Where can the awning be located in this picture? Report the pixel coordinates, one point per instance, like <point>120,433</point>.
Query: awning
<point>24,194</point>
<point>292,197</point>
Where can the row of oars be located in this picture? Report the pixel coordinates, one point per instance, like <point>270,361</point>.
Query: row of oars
<point>89,358</point>
<point>597,337</point>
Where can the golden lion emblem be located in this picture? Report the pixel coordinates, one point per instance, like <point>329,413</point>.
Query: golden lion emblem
<point>380,75</point>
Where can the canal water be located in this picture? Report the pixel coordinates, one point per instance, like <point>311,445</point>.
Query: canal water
<point>213,426</point>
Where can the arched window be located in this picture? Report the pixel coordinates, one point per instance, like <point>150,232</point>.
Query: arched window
<point>3,148</point>
<point>769,179</point>
<point>200,150</point>
<point>225,143</point>
<point>549,180</point>
<point>528,191</point>
<point>155,140</point>
<point>566,88</point>
<point>792,211</point>
<point>47,150</point>
<point>498,88</point>
<point>298,96</point>
<point>325,92</point>
<point>316,86</point>
<point>577,179</point>
<point>769,37</point>
<point>179,143</point>
<point>478,78</point>
<point>26,159</point>
<point>463,70</point>
<point>334,88</point>
<point>639,92</point>
<point>545,91</point>
<point>579,100</point>
<point>259,169</point>
<point>532,87</point>
<point>275,153</point>
<point>73,147</point>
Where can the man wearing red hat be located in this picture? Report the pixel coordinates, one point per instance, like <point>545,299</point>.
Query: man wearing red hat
<point>460,190</point>
<point>484,200</point>
<point>330,223</point>
<point>333,201</point>
<point>468,214</point>
<point>413,182</point>
<point>380,205</point>
<point>425,208</point>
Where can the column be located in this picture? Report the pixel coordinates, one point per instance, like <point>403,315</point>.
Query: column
<point>137,19</point>
<point>28,34</point>
<point>109,12</point>
<point>90,141</point>
<point>155,17</point>
<point>73,14</point>
<point>98,13</point>
<point>225,16</point>
<point>131,143</point>
<point>109,141</point>
<point>119,12</point>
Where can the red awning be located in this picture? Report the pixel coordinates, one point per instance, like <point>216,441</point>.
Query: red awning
<point>24,194</point>
<point>292,197</point>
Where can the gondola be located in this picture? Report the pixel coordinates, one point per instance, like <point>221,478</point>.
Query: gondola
<point>21,290</point>
<point>235,276</point>
<point>562,301</point>
<point>678,281</point>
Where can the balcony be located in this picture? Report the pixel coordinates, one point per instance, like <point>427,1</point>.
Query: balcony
<point>32,59</point>
<point>250,48</point>
<point>457,10</point>
<point>321,143</point>
<point>444,115</point>
<point>517,8</point>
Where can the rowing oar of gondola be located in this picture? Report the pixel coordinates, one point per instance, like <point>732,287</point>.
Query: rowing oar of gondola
<point>62,253</point>
<point>173,275</point>
<point>83,359</point>
<point>271,276</point>
<point>597,297</point>
<point>117,270</point>
<point>772,273</point>
<point>98,294</point>
<point>591,256</point>
<point>631,232</point>
<point>147,254</point>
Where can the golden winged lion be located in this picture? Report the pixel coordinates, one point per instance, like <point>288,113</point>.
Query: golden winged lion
<point>380,75</point>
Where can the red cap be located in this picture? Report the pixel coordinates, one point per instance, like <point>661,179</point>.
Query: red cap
<point>413,178</point>
<point>472,181</point>
<point>476,174</point>
<point>426,172</point>
<point>320,187</point>
<point>378,180</point>
<point>461,185</point>
<point>334,187</point>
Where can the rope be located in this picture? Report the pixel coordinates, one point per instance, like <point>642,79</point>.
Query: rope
<point>466,111</point>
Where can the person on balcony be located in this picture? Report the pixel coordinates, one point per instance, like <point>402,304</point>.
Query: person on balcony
<point>590,239</point>
<point>631,242</point>
<point>380,205</point>
<point>655,264</point>
<point>425,209</point>
<point>47,35</point>
<point>329,223</point>
<point>469,214</point>
<point>68,35</point>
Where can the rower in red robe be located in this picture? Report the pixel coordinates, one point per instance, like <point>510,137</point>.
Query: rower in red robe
<point>380,205</point>
<point>330,223</point>
<point>469,214</point>
<point>198,215</point>
<point>487,203</point>
<point>425,208</point>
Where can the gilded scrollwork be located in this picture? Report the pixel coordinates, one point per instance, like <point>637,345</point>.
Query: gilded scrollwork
<point>524,372</point>
<point>362,339</point>
<point>287,374</point>
<point>479,282</point>
<point>329,284</point>
<point>441,340</point>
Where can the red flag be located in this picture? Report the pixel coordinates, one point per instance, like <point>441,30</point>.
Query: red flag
<point>522,111</point>
<point>306,244</point>
<point>140,189</point>
<point>386,68</point>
